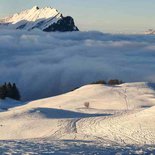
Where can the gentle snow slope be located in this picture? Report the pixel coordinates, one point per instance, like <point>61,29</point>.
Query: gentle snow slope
<point>121,114</point>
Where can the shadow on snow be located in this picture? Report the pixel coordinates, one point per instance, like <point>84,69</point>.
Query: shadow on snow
<point>60,114</point>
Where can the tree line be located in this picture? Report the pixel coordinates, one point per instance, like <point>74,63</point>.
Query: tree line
<point>9,90</point>
<point>110,82</point>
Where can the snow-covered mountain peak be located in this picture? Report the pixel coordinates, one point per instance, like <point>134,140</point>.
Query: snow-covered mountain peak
<point>41,18</point>
<point>35,14</point>
<point>150,31</point>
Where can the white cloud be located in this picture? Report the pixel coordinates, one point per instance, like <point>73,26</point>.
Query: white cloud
<point>46,64</point>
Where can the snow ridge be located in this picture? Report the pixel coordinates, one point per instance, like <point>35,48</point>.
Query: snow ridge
<point>36,17</point>
<point>150,31</point>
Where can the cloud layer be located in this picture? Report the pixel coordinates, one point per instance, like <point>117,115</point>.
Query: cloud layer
<point>47,64</point>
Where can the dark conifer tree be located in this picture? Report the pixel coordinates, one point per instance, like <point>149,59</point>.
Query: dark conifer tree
<point>15,92</point>
<point>2,92</point>
<point>9,90</point>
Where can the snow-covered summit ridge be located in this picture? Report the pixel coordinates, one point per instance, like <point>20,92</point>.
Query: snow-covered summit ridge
<point>41,18</point>
<point>150,31</point>
<point>33,14</point>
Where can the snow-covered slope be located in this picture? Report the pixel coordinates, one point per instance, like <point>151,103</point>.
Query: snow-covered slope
<point>41,18</point>
<point>150,31</point>
<point>123,114</point>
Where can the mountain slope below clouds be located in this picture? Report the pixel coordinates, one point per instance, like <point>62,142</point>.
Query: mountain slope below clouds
<point>46,19</point>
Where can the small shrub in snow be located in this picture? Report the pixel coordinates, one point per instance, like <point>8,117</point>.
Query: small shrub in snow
<point>87,105</point>
<point>115,82</point>
<point>100,82</point>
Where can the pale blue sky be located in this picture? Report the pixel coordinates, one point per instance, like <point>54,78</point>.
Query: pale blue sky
<point>102,15</point>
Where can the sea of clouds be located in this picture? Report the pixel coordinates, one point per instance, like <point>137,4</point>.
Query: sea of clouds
<point>46,64</point>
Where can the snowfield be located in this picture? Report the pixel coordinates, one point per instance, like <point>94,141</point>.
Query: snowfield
<point>120,119</point>
<point>67,147</point>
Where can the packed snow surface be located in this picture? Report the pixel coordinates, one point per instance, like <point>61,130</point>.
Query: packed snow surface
<point>117,116</point>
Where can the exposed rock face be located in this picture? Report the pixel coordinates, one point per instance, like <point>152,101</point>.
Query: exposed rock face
<point>63,25</point>
<point>46,19</point>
